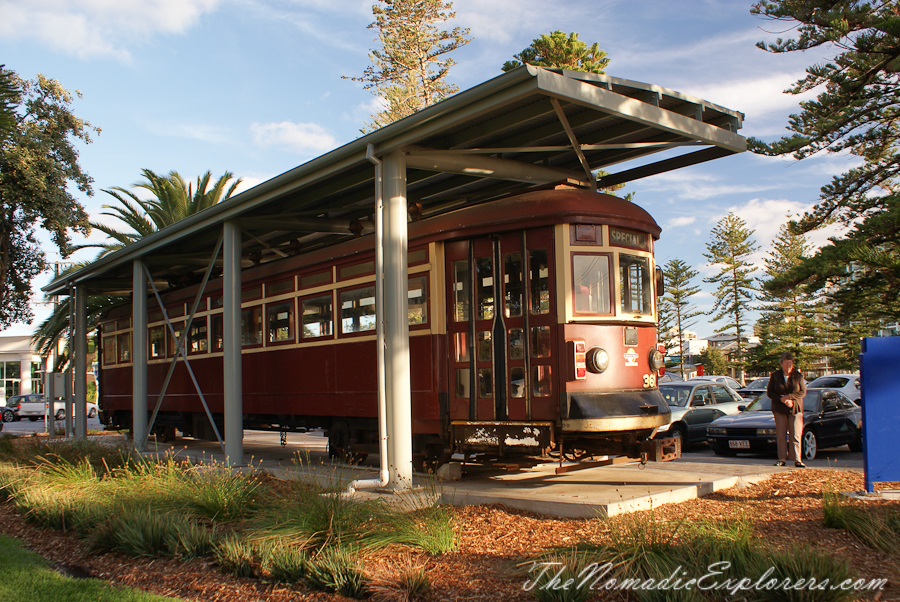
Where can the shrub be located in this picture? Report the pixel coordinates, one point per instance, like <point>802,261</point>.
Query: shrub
<point>236,556</point>
<point>141,532</point>
<point>220,493</point>
<point>337,569</point>
<point>431,529</point>
<point>404,580</point>
<point>286,563</point>
<point>875,529</point>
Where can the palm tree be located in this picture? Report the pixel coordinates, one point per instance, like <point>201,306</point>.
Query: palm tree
<point>173,200</point>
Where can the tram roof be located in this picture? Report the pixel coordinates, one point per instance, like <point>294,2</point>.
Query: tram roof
<point>528,129</point>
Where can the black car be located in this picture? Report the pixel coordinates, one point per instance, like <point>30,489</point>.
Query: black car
<point>754,389</point>
<point>830,419</point>
<point>8,413</point>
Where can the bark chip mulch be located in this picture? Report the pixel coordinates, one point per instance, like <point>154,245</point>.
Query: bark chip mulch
<point>786,510</point>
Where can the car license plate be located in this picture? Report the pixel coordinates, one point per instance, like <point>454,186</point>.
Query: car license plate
<point>739,444</point>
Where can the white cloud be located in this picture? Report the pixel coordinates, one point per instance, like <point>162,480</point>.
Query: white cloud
<point>766,216</point>
<point>698,186</point>
<point>248,182</point>
<point>301,138</point>
<point>757,97</point>
<point>681,221</point>
<point>98,28</point>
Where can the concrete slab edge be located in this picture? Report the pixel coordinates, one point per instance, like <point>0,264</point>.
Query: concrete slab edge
<point>570,509</point>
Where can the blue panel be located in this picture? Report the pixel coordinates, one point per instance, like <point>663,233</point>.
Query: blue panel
<point>880,408</point>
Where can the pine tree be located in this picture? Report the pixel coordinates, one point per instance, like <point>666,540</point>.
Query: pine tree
<point>855,111</point>
<point>410,70</point>
<point>679,291</point>
<point>789,318</point>
<point>729,249</point>
<point>665,322</point>
<point>557,50</point>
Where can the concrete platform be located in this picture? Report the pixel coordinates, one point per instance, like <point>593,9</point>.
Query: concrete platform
<point>607,490</point>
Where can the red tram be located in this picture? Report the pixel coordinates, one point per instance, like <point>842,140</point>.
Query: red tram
<point>532,324</point>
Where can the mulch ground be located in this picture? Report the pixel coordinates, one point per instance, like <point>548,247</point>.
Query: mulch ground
<point>786,510</point>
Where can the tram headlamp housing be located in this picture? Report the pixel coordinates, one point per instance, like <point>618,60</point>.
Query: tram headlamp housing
<point>656,359</point>
<point>597,360</point>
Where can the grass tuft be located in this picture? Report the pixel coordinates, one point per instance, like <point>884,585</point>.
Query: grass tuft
<point>237,556</point>
<point>405,580</point>
<point>878,530</point>
<point>431,529</point>
<point>337,569</point>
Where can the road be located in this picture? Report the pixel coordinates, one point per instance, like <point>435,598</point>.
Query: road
<point>315,443</point>
<point>26,426</point>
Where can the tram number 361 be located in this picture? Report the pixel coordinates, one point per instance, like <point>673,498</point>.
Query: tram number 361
<point>649,381</point>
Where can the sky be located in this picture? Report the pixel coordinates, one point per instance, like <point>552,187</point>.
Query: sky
<point>257,87</point>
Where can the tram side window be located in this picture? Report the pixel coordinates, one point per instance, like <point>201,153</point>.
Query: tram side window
<point>123,346</point>
<point>197,337</point>
<point>218,332</point>
<point>590,279</point>
<point>461,290</point>
<point>281,322</point>
<point>317,316</point>
<point>484,287</point>
<point>512,284</point>
<point>634,276</point>
<point>251,326</point>
<point>358,310</point>
<point>541,381</point>
<point>418,301</point>
<point>157,338</point>
<point>173,342</point>
<point>109,350</point>
<point>540,281</point>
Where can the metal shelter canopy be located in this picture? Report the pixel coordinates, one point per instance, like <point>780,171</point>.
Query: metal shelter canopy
<point>527,128</point>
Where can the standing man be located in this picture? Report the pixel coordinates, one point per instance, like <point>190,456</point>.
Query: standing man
<point>786,390</point>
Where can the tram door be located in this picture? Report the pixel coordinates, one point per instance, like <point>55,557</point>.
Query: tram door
<point>502,327</point>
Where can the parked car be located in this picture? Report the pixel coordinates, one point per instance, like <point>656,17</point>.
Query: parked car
<point>754,389</point>
<point>694,405</point>
<point>59,410</point>
<point>725,380</point>
<point>29,406</point>
<point>830,419</point>
<point>8,414</point>
<point>32,407</point>
<point>848,384</point>
<point>670,377</point>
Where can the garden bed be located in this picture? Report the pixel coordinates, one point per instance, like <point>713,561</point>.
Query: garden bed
<point>489,557</point>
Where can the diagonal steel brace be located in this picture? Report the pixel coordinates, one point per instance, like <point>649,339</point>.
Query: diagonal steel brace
<point>179,348</point>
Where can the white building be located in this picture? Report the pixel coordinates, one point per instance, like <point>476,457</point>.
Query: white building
<point>20,367</point>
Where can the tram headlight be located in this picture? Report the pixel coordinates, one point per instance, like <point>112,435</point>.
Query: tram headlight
<point>597,360</point>
<point>656,359</point>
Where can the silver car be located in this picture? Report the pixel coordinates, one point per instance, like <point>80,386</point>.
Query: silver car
<point>694,405</point>
<point>848,384</point>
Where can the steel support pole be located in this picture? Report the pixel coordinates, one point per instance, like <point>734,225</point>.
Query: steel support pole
<point>139,353</point>
<point>396,322</point>
<point>80,356</point>
<point>231,326</point>
<point>69,403</point>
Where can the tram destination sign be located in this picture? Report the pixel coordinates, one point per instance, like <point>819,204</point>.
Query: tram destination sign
<point>626,238</point>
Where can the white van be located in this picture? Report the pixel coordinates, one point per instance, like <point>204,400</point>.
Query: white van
<point>32,407</point>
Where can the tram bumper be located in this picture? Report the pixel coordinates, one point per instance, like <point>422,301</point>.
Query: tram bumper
<point>619,412</point>
<point>620,423</point>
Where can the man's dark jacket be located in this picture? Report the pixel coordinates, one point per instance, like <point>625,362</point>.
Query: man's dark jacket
<point>780,388</point>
